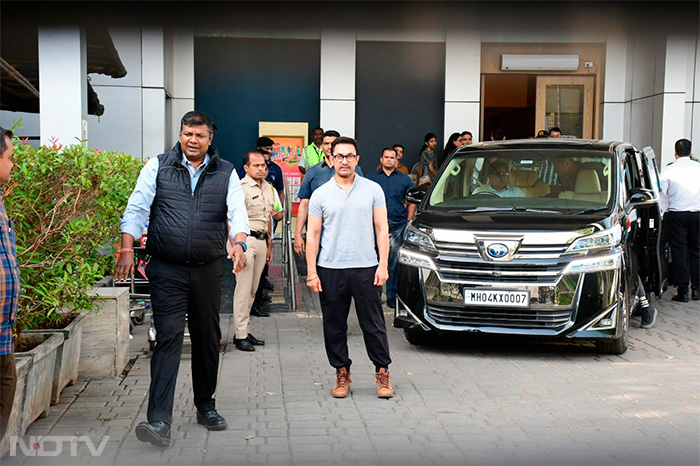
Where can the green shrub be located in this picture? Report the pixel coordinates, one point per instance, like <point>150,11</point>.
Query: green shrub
<point>65,203</point>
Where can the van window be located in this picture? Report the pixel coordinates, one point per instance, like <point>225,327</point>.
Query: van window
<point>563,181</point>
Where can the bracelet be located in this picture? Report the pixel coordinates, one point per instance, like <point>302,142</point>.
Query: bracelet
<point>126,250</point>
<point>312,278</point>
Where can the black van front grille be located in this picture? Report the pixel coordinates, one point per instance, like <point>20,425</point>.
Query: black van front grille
<point>498,317</point>
<point>499,272</point>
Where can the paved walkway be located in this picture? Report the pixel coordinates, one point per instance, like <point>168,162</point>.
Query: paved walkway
<point>466,401</point>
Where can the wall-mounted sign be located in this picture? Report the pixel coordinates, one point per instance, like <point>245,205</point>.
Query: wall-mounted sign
<point>290,139</point>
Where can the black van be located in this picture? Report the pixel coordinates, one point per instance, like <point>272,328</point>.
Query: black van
<point>536,237</point>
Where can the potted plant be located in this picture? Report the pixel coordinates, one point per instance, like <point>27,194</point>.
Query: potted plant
<point>71,327</point>
<point>14,425</point>
<point>43,351</point>
<point>65,204</point>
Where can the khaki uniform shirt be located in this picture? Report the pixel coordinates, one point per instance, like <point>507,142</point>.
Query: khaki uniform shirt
<point>259,201</point>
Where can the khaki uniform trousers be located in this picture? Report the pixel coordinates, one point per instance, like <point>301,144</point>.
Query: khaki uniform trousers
<point>247,281</point>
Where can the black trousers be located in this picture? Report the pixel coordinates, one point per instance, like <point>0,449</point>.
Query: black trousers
<point>259,292</point>
<point>684,239</point>
<point>178,291</point>
<point>339,287</point>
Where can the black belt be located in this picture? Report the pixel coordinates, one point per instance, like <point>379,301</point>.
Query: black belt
<point>259,235</point>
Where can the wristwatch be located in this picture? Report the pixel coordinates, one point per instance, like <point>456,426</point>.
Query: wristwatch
<point>243,245</point>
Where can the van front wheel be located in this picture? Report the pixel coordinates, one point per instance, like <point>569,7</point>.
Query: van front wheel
<point>620,344</point>
<point>419,337</point>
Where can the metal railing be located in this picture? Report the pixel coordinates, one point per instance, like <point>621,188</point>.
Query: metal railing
<point>289,269</point>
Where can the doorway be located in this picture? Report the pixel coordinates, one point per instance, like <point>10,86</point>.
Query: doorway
<point>525,101</point>
<point>522,104</point>
<point>509,103</point>
<point>567,103</point>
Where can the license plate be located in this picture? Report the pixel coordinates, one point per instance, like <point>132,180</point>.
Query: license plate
<point>496,298</point>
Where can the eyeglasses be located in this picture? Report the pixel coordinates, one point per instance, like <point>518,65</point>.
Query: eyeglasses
<point>349,157</point>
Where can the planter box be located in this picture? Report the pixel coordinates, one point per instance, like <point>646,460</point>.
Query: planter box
<point>37,393</point>
<point>14,427</point>
<point>68,355</point>
<point>104,350</point>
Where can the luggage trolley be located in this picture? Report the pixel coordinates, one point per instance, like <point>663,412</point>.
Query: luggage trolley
<point>139,295</point>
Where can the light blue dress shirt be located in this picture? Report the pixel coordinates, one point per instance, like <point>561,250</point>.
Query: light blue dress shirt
<point>509,191</point>
<point>139,207</point>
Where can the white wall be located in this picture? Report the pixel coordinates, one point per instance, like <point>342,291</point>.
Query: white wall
<point>158,89</point>
<point>121,127</point>
<point>63,89</point>
<point>691,127</point>
<point>338,53</point>
<point>616,104</point>
<point>462,82</point>
<point>181,75</point>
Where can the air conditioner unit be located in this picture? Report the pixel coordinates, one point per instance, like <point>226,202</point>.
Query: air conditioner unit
<point>512,62</point>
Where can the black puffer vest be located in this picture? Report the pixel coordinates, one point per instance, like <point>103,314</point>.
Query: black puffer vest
<point>189,228</point>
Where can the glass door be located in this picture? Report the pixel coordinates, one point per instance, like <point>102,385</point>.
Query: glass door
<point>565,102</point>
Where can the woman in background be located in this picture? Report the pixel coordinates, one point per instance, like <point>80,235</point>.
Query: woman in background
<point>453,142</point>
<point>428,160</point>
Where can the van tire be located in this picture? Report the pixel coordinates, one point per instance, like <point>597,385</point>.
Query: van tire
<point>620,344</point>
<point>419,337</point>
<point>616,346</point>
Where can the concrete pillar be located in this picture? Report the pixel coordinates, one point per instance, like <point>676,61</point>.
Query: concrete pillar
<point>338,55</point>
<point>674,90</point>
<point>62,85</point>
<point>615,106</point>
<point>693,98</point>
<point>180,56</point>
<point>462,82</point>
<point>153,92</point>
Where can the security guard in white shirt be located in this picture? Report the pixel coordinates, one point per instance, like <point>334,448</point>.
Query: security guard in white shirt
<point>259,202</point>
<point>681,188</point>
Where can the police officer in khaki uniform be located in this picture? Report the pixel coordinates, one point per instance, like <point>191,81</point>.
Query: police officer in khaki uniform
<point>259,202</point>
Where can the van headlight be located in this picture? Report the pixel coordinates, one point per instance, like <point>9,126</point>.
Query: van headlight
<point>594,264</point>
<point>419,238</point>
<point>606,239</point>
<point>415,259</point>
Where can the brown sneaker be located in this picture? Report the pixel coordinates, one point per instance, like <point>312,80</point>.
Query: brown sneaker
<point>384,389</point>
<point>342,383</point>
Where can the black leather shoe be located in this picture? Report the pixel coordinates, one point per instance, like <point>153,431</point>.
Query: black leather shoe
<point>243,344</point>
<point>696,294</point>
<point>681,297</point>
<point>211,420</point>
<point>258,312</point>
<point>255,341</point>
<point>391,303</point>
<point>156,433</point>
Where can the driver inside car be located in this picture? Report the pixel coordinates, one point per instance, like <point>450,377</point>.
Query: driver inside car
<point>499,182</point>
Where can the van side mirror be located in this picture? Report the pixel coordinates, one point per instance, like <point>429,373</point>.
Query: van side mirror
<point>416,195</point>
<point>640,197</point>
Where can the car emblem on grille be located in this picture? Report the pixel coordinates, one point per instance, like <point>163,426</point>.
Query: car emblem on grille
<point>497,250</point>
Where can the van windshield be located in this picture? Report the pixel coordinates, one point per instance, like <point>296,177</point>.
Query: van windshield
<point>548,180</point>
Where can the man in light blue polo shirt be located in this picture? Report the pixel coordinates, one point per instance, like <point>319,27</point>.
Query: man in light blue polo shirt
<point>345,216</point>
<point>315,177</point>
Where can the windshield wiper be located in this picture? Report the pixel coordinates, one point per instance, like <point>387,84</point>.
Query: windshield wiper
<point>504,209</point>
<point>481,209</point>
<point>537,211</point>
<point>585,211</point>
